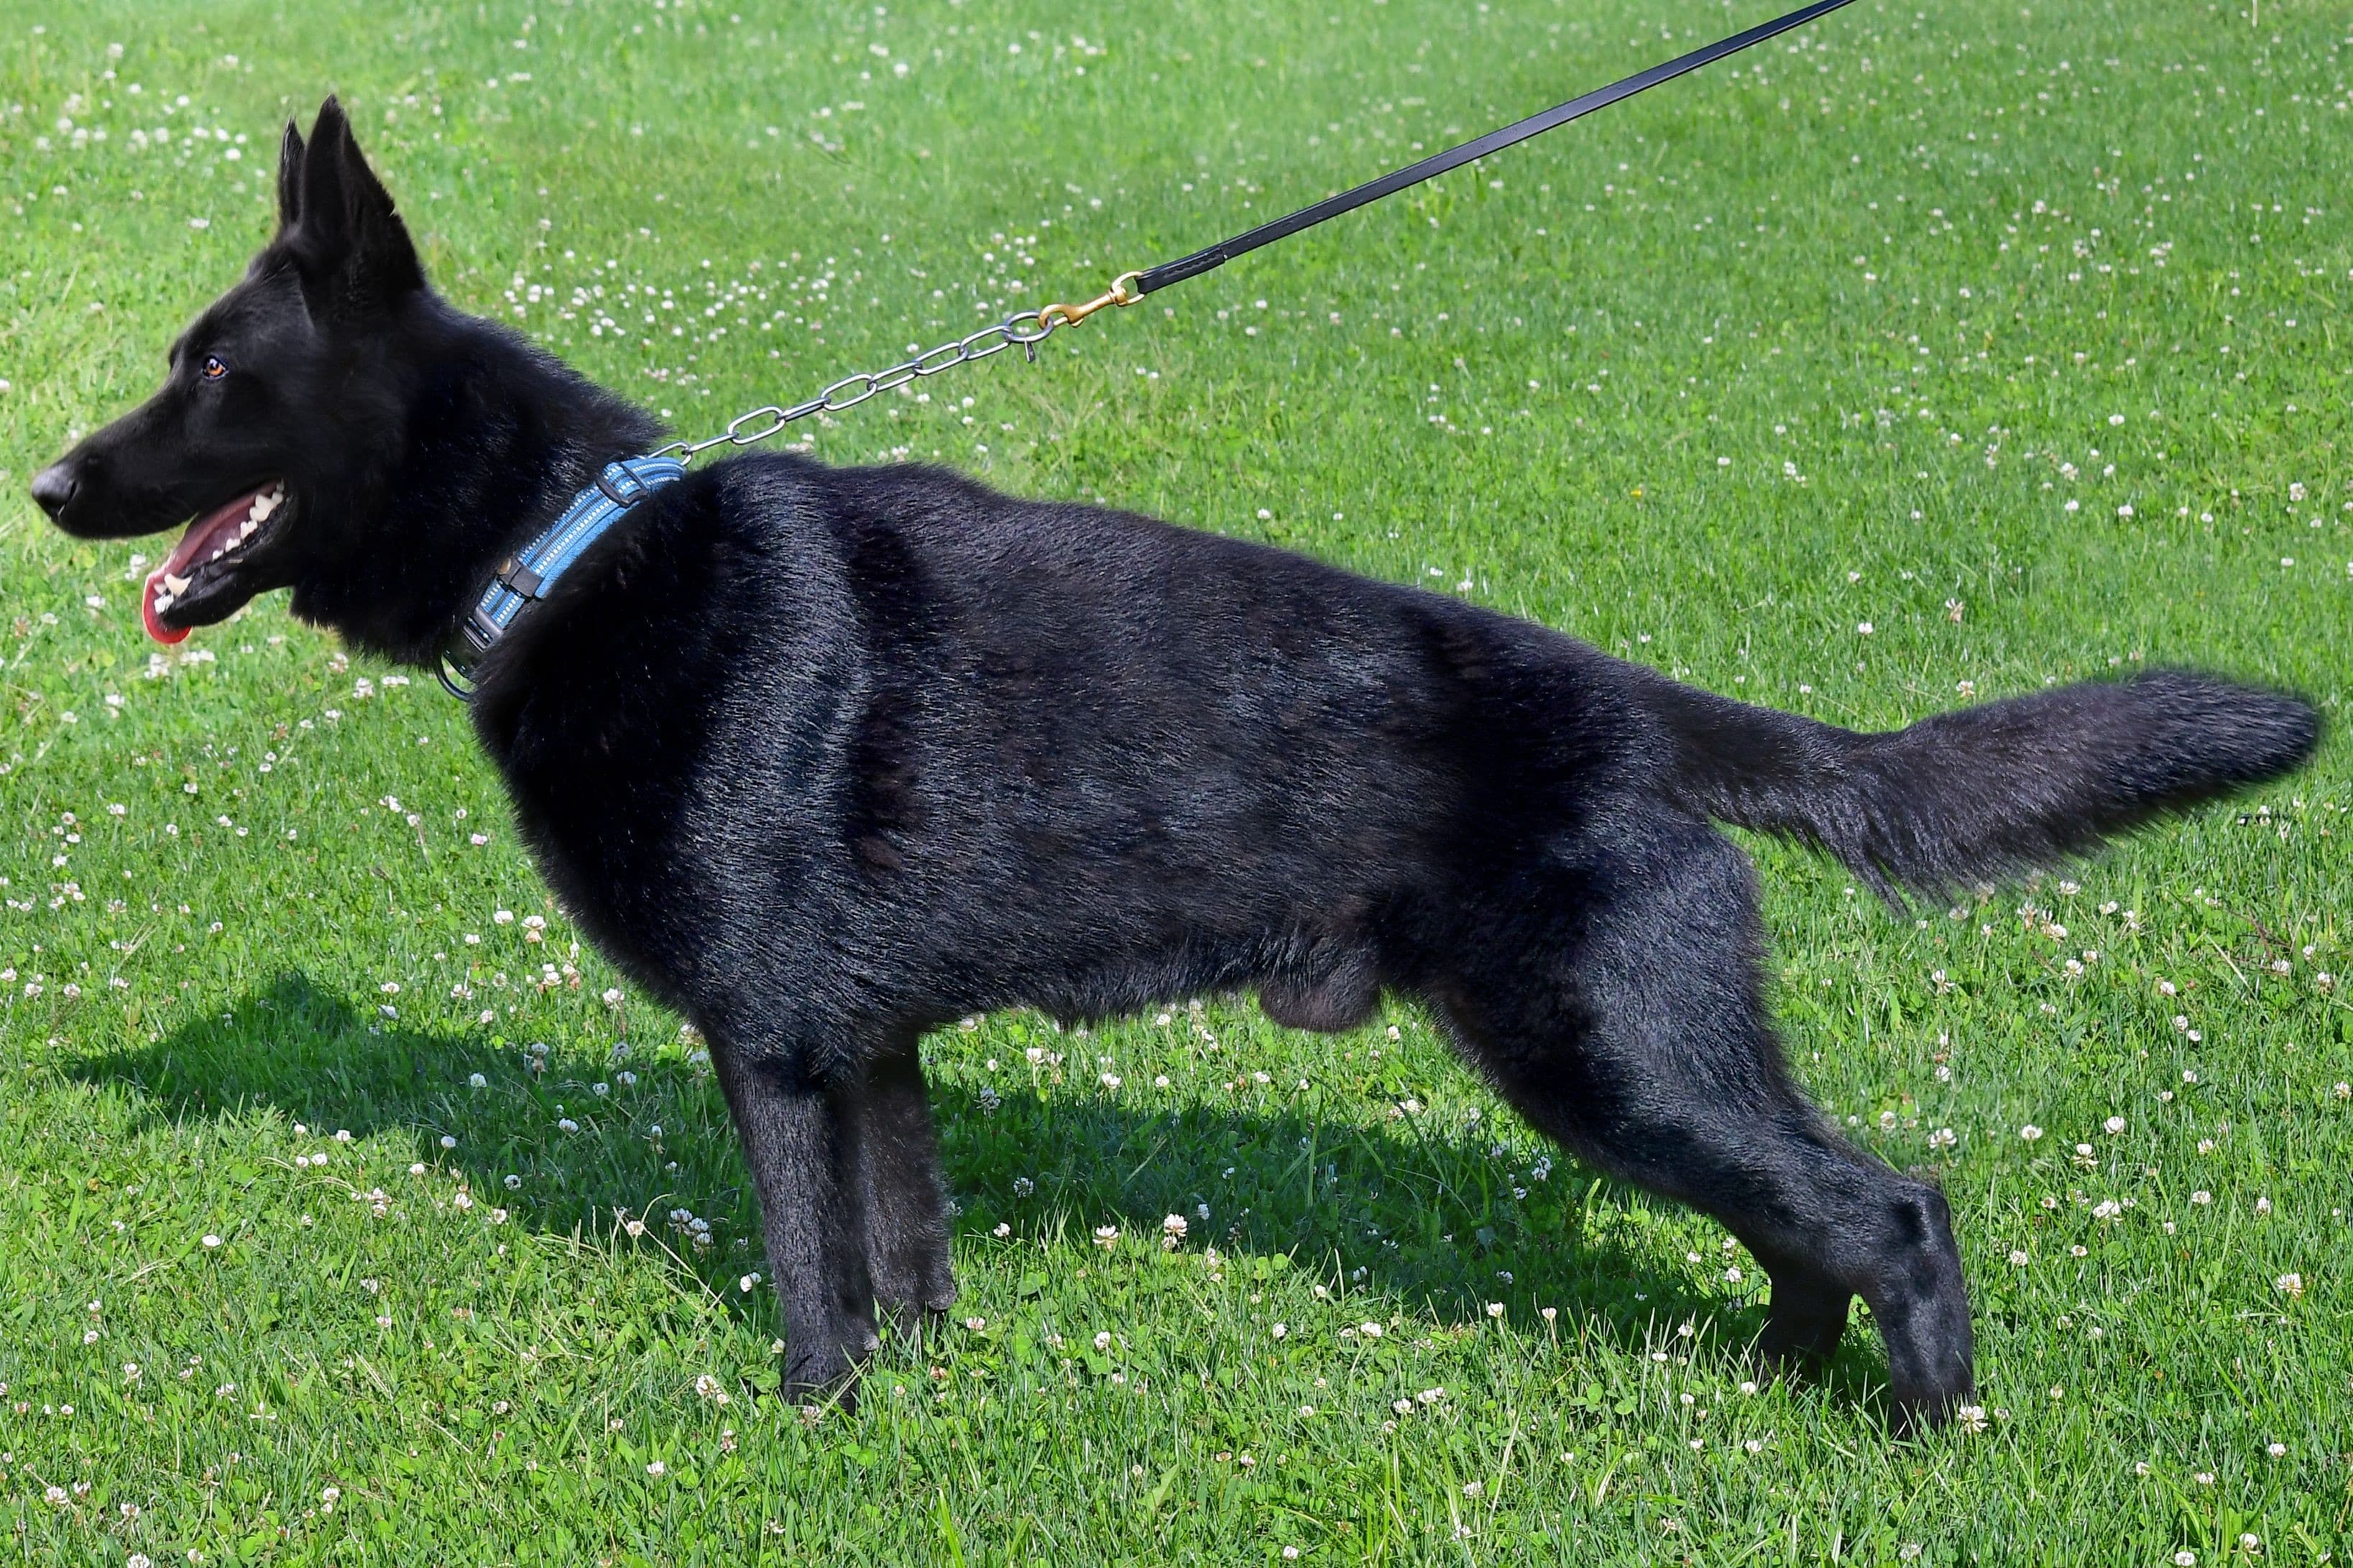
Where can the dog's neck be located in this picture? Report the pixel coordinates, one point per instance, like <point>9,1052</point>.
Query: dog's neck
<point>494,437</point>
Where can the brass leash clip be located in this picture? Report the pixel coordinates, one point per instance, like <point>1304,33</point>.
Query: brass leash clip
<point>1071,315</point>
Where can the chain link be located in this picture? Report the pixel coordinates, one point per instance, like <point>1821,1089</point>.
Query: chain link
<point>1024,329</point>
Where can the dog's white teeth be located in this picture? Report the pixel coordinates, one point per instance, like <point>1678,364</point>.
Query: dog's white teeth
<point>263,505</point>
<point>248,529</point>
<point>164,602</point>
<point>175,586</point>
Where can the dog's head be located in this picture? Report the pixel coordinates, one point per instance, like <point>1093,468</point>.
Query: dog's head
<point>272,407</point>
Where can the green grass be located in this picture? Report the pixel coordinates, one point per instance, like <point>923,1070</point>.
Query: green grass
<point>1888,325</point>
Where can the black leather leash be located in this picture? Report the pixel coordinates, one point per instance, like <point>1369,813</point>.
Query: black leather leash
<point>1025,330</point>
<point>1430,168</point>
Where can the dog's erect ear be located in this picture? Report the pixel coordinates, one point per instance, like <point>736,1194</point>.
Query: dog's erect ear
<point>353,249</point>
<point>289,177</point>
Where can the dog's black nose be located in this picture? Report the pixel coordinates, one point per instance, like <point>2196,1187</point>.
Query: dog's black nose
<point>53,487</point>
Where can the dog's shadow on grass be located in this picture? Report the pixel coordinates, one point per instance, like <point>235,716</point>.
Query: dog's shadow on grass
<point>1436,1219</point>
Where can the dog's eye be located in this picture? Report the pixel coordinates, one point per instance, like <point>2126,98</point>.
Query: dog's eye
<point>213,368</point>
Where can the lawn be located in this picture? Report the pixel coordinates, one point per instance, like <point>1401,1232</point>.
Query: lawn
<point>350,1211</point>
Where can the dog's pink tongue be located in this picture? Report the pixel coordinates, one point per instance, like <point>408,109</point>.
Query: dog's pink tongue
<point>162,634</point>
<point>191,545</point>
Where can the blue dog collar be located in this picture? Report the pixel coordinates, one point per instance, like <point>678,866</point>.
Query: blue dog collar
<point>526,575</point>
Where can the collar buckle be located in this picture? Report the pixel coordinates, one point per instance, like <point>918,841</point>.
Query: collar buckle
<point>519,579</point>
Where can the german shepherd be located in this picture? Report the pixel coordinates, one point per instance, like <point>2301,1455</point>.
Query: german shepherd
<point>825,758</point>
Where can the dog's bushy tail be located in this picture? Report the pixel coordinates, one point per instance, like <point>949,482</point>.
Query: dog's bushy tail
<point>1976,795</point>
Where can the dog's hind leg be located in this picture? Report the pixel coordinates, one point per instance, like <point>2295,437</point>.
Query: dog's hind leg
<point>796,1113</point>
<point>1620,1010</point>
<point>906,1209</point>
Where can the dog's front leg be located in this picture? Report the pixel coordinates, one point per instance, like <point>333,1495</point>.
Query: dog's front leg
<point>795,1112</point>
<point>906,1203</point>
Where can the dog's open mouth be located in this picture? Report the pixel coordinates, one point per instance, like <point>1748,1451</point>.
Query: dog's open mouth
<point>205,560</point>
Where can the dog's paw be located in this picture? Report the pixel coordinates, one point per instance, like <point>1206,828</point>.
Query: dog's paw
<point>1802,1329</point>
<point>906,1295</point>
<point>1914,1412</point>
<point>821,1374</point>
<point>1795,1343</point>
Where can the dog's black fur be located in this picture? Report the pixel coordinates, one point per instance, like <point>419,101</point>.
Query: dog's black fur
<point>825,758</point>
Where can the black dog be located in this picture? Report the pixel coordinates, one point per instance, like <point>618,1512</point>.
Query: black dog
<point>826,758</point>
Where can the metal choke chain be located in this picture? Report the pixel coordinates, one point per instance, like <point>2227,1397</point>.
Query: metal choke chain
<point>1024,329</point>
